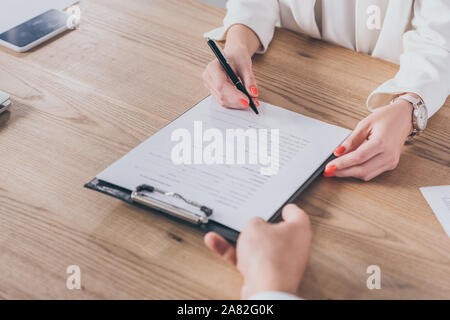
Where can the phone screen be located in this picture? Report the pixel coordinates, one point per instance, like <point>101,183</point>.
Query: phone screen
<point>36,28</point>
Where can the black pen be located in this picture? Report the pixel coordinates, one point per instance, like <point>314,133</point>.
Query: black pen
<point>231,73</point>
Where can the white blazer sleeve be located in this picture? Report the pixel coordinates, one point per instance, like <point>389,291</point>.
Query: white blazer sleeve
<point>425,62</point>
<point>260,16</point>
<point>274,295</point>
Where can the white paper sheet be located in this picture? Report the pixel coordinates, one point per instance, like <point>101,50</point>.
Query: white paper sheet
<point>438,197</point>
<point>236,193</point>
<point>15,12</point>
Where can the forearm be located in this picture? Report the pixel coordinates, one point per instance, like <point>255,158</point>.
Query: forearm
<point>240,37</point>
<point>425,61</point>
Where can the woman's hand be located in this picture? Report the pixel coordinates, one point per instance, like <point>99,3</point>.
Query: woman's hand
<point>241,44</point>
<point>375,145</point>
<point>270,257</point>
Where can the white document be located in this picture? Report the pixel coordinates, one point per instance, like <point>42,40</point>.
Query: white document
<point>235,192</point>
<point>15,12</point>
<point>438,197</point>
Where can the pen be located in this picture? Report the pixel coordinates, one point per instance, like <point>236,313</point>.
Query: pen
<point>231,73</point>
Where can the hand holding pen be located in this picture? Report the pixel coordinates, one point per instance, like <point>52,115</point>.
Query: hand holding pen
<point>232,90</point>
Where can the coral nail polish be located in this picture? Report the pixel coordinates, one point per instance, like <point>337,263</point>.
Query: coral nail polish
<point>244,103</point>
<point>254,90</point>
<point>329,171</point>
<point>257,103</point>
<point>339,151</point>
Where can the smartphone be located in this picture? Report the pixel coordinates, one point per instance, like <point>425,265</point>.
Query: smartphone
<point>4,107</point>
<point>4,101</point>
<point>35,31</point>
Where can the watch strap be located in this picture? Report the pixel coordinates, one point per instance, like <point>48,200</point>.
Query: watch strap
<point>416,103</point>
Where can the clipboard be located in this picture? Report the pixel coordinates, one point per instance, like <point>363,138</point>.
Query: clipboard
<point>137,198</point>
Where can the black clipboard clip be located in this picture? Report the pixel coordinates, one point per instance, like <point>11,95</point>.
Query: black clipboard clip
<point>140,195</point>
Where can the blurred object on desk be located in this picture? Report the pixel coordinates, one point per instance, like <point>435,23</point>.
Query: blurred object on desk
<point>15,12</point>
<point>4,101</point>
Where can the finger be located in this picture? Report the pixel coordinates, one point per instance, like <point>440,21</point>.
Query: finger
<point>226,93</point>
<point>368,170</point>
<point>221,246</point>
<point>247,77</point>
<point>208,85</point>
<point>213,92</point>
<point>215,74</point>
<point>255,222</point>
<point>356,138</point>
<point>365,152</point>
<point>292,213</point>
<point>233,98</point>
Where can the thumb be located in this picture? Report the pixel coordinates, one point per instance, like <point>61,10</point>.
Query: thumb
<point>221,246</point>
<point>354,140</point>
<point>246,75</point>
<point>292,213</point>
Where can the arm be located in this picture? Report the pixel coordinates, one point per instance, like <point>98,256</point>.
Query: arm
<point>248,28</point>
<point>425,62</point>
<point>376,143</point>
<point>258,16</point>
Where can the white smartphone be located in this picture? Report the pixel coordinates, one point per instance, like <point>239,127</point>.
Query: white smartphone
<point>35,31</point>
<point>4,107</point>
<point>4,101</point>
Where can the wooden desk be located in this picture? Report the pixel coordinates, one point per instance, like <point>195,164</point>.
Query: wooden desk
<point>85,99</point>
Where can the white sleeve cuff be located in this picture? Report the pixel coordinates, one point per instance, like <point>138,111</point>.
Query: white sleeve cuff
<point>425,62</point>
<point>260,16</point>
<point>274,295</point>
<point>384,94</point>
<point>433,96</point>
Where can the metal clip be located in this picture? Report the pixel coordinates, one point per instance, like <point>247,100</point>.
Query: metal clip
<point>140,195</point>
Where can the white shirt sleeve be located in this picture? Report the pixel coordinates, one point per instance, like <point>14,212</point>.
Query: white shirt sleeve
<point>260,16</point>
<point>274,295</point>
<point>425,62</point>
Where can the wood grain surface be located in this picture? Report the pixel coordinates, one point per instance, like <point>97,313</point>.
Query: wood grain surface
<point>86,98</point>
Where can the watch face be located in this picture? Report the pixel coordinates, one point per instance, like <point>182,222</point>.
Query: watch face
<point>422,118</point>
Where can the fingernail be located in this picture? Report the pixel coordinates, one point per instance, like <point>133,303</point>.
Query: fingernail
<point>254,90</point>
<point>257,103</point>
<point>329,171</point>
<point>244,103</point>
<point>339,151</point>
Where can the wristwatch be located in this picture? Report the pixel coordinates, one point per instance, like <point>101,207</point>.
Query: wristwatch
<point>419,114</point>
